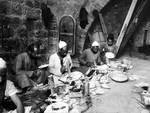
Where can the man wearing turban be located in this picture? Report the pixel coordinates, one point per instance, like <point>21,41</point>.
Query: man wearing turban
<point>91,56</point>
<point>60,62</point>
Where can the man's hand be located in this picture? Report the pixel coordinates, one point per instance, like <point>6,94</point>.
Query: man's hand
<point>18,103</point>
<point>35,73</point>
<point>30,73</point>
<point>89,64</point>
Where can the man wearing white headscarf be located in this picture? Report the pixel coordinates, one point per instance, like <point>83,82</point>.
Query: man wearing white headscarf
<point>7,89</point>
<point>91,56</point>
<point>60,62</point>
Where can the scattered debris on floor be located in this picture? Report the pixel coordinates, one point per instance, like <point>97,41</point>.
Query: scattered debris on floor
<point>78,92</point>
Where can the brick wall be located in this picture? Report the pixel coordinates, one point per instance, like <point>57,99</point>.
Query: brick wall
<point>21,22</point>
<point>139,34</point>
<point>21,25</point>
<point>114,15</point>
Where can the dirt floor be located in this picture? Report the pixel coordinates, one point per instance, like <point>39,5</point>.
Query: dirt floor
<point>121,98</point>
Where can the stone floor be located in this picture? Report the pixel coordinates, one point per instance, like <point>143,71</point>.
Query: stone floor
<point>121,98</point>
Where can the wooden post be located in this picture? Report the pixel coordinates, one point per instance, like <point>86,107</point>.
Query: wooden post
<point>132,27</point>
<point>125,25</point>
<point>104,29</point>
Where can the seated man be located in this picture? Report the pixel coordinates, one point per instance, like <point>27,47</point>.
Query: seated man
<point>26,68</point>
<point>90,56</point>
<point>7,89</point>
<point>60,62</point>
<point>110,46</point>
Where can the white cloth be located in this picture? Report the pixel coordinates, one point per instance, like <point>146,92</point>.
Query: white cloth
<point>60,106</point>
<point>55,63</point>
<point>10,89</point>
<point>95,43</point>
<point>62,44</point>
<point>55,66</point>
<point>2,63</point>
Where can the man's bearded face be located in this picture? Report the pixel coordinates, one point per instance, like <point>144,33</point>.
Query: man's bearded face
<point>95,49</point>
<point>33,52</point>
<point>110,42</point>
<point>63,51</point>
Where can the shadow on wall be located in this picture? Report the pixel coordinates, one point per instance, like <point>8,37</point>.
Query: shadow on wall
<point>144,49</point>
<point>114,14</point>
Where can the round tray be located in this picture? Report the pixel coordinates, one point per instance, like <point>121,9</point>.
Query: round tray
<point>118,76</point>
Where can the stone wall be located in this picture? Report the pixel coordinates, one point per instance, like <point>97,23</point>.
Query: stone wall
<point>139,34</point>
<point>15,19</point>
<point>72,7</point>
<point>24,17</point>
<point>114,14</point>
<point>21,25</point>
<point>22,20</point>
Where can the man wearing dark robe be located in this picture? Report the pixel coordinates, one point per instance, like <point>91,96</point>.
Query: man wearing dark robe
<point>26,68</point>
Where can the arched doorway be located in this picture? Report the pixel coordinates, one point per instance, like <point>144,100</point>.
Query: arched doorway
<point>67,32</point>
